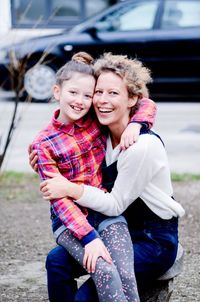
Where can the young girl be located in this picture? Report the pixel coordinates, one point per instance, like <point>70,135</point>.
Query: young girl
<point>74,145</point>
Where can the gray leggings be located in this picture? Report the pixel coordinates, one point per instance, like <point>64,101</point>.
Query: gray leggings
<point>114,282</point>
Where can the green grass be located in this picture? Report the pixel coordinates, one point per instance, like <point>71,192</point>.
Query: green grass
<point>185,177</point>
<point>19,186</point>
<point>25,186</point>
<point>17,178</point>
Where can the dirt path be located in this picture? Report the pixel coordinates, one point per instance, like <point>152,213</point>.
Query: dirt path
<point>25,239</point>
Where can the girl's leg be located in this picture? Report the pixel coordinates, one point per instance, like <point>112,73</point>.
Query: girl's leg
<point>106,276</point>
<point>117,239</point>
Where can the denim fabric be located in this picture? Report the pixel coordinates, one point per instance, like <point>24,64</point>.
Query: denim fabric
<point>62,270</point>
<point>106,222</point>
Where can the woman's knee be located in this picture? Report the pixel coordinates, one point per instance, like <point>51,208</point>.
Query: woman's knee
<point>57,257</point>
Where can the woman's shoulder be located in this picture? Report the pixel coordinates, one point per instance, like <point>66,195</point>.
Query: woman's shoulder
<point>146,144</point>
<point>148,150</point>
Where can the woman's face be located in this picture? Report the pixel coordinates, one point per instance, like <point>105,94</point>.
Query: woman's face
<point>111,100</point>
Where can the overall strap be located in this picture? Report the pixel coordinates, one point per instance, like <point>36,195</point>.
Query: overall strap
<point>144,130</point>
<point>138,208</point>
<point>109,173</point>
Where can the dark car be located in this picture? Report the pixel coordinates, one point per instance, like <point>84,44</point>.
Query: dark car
<point>164,34</point>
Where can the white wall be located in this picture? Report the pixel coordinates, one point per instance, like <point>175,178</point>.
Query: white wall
<point>5,16</point>
<point>10,36</point>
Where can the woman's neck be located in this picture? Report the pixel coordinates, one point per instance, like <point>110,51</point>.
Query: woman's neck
<point>116,132</point>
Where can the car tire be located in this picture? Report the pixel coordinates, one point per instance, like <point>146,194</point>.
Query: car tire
<point>38,82</point>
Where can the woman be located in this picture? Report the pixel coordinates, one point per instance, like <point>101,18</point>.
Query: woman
<point>141,176</point>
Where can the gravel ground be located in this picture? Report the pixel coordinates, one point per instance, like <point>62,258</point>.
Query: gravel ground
<point>26,239</point>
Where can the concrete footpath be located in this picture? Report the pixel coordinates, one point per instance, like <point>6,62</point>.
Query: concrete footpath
<point>177,123</point>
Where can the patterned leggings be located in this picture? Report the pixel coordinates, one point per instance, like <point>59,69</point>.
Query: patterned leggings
<point>114,282</point>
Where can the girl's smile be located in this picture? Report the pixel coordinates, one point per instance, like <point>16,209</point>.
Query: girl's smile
<point>74,97</point>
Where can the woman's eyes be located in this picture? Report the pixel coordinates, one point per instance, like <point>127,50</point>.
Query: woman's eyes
<point>113,92</point>
<point>98,92</point>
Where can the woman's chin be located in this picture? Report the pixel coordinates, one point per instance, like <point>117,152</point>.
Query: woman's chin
<point>103,121</point>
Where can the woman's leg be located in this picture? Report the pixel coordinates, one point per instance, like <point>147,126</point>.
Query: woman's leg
<point>62,270</point>
<point>106,276</point>
<point>117,239</point>
<point>155,251</point>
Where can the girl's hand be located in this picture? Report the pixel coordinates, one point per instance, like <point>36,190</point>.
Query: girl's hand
<point>33,158</point>
<point>130,135</point>
<point>94,250</point>
<point>55,187</point>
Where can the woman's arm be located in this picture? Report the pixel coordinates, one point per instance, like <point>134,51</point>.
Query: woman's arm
<point>136,167</point>
<point>134,172</point>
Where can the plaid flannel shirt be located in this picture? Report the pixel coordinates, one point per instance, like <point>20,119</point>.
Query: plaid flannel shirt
<point>76,150</point>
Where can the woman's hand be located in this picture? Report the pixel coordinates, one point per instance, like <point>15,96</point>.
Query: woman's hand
<point>94,250</point>
<point>130,135</point>
<point>55,187</point>
<point>58,187</point>
<point>33,158</point>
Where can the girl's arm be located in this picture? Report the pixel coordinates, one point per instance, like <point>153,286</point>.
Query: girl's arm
<point>68,212</point>
<point>144,116</point>
<point>71,215</point>
<point>146,112</point>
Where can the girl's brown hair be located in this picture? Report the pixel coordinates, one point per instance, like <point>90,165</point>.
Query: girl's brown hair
<point>81,62</point>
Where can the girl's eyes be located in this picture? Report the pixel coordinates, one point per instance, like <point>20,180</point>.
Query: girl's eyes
<point>73,92</point>
<point>87,96</point>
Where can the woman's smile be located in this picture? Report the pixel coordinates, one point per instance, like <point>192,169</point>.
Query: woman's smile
<point>105,110</point>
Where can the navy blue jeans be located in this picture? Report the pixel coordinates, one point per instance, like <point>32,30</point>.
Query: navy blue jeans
<point>155,249</point>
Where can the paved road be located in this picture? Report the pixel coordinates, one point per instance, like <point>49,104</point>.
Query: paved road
<point>178,124</point>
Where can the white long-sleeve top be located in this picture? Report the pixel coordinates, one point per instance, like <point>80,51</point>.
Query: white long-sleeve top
<point>143,171</point>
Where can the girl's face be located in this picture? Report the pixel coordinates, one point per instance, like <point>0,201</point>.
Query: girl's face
<point>75,97</point>
<point>111,101</point>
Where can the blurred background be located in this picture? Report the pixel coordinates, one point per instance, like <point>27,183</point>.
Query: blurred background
<point>37,37</point>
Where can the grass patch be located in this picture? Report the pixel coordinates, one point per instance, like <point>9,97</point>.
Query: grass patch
<point>17,185</point>
<point>185,177</point>
<point>17,178</point>
<point>25,186</point>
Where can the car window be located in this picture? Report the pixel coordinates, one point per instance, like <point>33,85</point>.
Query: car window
<point>94,7</point>
<point>64,8</point>
<point>136,17</point>
<point>178,14</point>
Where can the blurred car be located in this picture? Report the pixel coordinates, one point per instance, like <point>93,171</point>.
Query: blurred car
<point>164,34</point>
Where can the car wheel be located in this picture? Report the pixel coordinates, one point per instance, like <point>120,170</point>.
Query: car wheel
<point>38,82</point>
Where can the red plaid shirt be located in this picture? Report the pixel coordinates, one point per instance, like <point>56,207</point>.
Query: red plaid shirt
<point>76,150</point>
